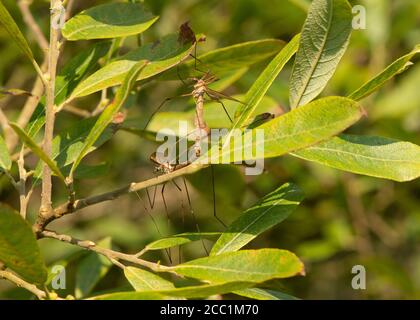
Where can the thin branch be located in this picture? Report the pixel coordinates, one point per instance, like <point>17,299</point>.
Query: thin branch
<point>31,23</point>
<point>23,284</point>
<point>53,55</point>
<point>68,208</point>
<point>110,254</point>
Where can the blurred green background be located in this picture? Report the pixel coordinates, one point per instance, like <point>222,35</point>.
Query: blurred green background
<point>345,219</point>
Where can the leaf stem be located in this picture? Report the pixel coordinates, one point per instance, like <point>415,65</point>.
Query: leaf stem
<point>23,284</point>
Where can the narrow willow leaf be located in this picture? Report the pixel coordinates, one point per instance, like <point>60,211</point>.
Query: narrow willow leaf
<point>132,295</point>
<point>298,129</point>
<point>5,161</point>
<point>371,156</point>
<point>77,68</point>
<point>202,291</point>
<point>264,294</point>
<point>106,117</point>
<point>398,66</point>
<point>70,76</point>
<point>260,87</point>
<point>112,20</point>
<point>180,239</point>
<point>37,150</point>
<point>163,55</point>
<point>91,269</point>
<point>143,280</point>
<point>324,40</point>
<point>228,59</point>
<point>19,250</point>
<point>268,212</point>
<point>8,23</point>
<point>244,266</point>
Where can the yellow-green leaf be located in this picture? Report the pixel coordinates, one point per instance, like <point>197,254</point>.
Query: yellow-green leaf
<point>179,240</point>
<point>398,66</point>
<point>143,280</point>
<point>367,155</point>
<point>324,40</point>
<point>260,87</point>
<point>5,161</point>
<point>163,55</point>
<point>37,150</point>
<point>243,266</point>
<point>111,20</point>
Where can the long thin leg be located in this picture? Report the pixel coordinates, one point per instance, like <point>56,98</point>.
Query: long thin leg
<point>153,220</point>
<point>213,181</point>
<point>193,214</point>
<point>151,201</point>
<point>167,216</point>
<point>162,104</point>
<point>223,105</point>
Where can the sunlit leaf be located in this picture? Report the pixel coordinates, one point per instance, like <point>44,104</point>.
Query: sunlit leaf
<point>143,280</point>
<point>263,294</point>
<point>298,129</point>
<point>180,239</point>
<point>260,87</point>
<point>324,40</point>
<point>398,66</point>
<point>367,155</point>
<point>163,54</point>
<point>111,20</point>
<point>244,266</point>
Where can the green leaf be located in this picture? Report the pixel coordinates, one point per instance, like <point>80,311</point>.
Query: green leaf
<point>106,117</point>
<point>163,55</point>
<point>180,239</point>
<point>264,294</point>
<point>68,79</point>
<point>5,161</point>
<point>131,295</point>
<point>142,280</point>
<point>19,250</point>
<point>398,66</point>
<point>300,128</point>
<point>371,156</point>
<point>324,40</point>
<point>260,87</point>
<point>268,212</point>
<point>77,68</point>
<point>8,23</point>
<point>112,20</point>
<point>202,291</point>
<point>91,269</point>
<point>244,266</point>
<point>37,150</point>
<point>228,59</point>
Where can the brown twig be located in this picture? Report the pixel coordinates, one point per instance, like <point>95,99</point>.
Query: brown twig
<point>68,208</point>
<point>31,23</point>
<point>113,256</point>
<point>23,284</point>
